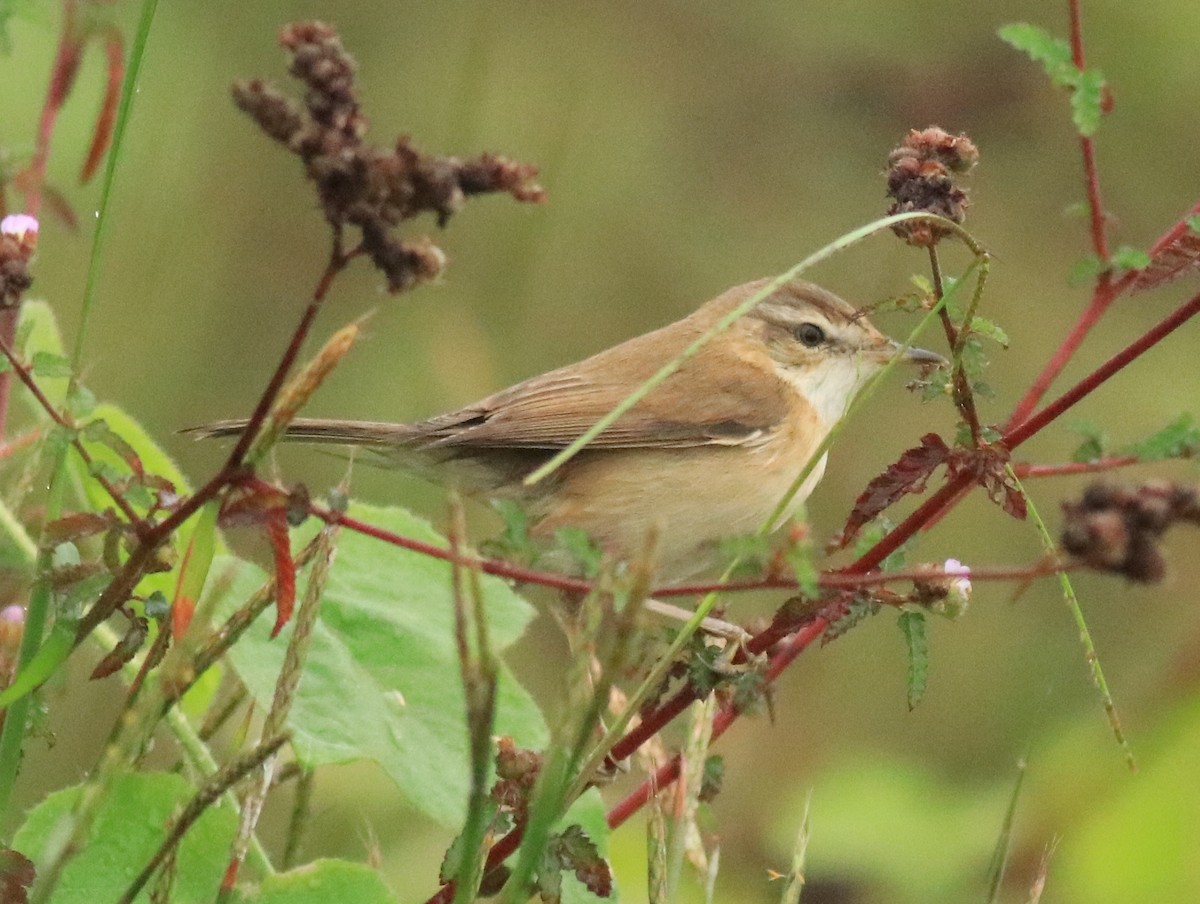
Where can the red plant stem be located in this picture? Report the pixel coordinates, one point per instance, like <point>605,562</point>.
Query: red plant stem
<point>795,645</point>
<point>337,262</point>
<point>501,568</point>
<point>1017,435</point>
<point>62,75</point>
<point>1026,470</point>
<point>8,335</point>
<point>1087,146</point>
<point>667,773</point>
<point>1113,365</point>
<point>232,472</point>
<point>21,442</point>
<point>1103,296</point>
<point>1105,291</point>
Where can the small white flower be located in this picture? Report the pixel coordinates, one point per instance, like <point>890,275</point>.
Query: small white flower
<point>19,225</point>
<point>960,583</point>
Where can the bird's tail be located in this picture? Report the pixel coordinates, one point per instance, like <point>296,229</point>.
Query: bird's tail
<point>320,430</point>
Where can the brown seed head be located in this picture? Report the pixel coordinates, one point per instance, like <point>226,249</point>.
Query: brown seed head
<point>920,177</point>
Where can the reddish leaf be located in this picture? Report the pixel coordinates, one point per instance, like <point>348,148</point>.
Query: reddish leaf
<point>573,850</point>
<point>908,475</point>
<point>1172,256</point>
<point>17,873</point>
<point>182,611</point>
<point>76,527</point>
<point>276,527</point>
<point>989,467</point>
<point>125,649</point>
<point>114,49</point>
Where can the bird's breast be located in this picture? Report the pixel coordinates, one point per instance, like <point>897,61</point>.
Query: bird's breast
<point>691,497</point>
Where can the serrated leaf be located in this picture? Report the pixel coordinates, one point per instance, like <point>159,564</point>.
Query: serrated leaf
<point>153,460</point>
<point>128,828</point>
<point>1039,45</point>
<point>1179,439</point>
<point>383,679</point>
<point>1179,255</point>
<point>990,329</point>
<point>1087,101</point>
<point>587,812</point>
<point>909,474</point>
<point>912,626</point>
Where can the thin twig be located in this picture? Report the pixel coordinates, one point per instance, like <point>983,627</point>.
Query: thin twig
<point>228,776</point>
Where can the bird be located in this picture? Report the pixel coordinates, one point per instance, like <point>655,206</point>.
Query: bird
<point>707,454</point>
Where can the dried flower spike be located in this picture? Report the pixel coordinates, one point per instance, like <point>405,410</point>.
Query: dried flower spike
<point>920,176</point>
<point>359,184</point>
<point>1117,529</point>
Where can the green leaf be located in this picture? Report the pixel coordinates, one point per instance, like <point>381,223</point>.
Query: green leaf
<point>53,653</point>
<point>582,550</point>
<point>48,364</point>
<point>128,830</point>
<point>32,11</point>
<point>989,329</point>
<point>1095,443</point>
<point>1053,53</point>
<point>1129,258</point>
<point>1193,222</point>
<point>382,680</point>
<point>912,626</point>
<point>323,882</point>
<point>154,460</point>
<point>38,334</point>
<point>587,813</point>
<point>1085,270</point>
<point>1087,101</point>
<point>1179,439</point>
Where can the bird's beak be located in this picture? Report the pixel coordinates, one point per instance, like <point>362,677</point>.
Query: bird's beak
<point>919,355</point>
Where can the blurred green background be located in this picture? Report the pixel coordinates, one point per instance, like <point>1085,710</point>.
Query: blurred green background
<point>687,147</point>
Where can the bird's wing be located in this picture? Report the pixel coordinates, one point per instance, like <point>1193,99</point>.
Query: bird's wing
<point>714,398</point>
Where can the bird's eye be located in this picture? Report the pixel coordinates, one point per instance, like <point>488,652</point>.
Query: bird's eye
<point>809,335</point>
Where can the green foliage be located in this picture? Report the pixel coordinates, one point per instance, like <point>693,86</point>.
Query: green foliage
<point>912,625</point>
<point>872,534</point>
<point>38,338</point>
<point>1086,86</point>
<point>1096,442</point>
<point>1087,101</point>
<point>1127,257</point>
<point>322,882</point>
<point>33,11</point>
<point>514,542</point>
<point>582,551</point>
<point>587,814</point>
<point>128,829</point>
<point>1053,53</point>
<point>382,679</point>
<point>1193,222</point>
<point>48,365</point>
<point>1179,439</point>
<point>989,329</point>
